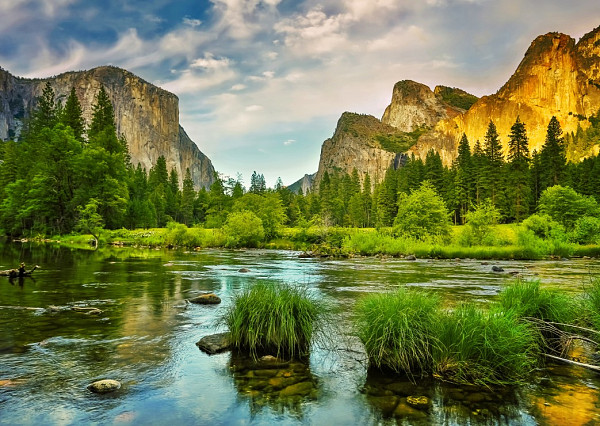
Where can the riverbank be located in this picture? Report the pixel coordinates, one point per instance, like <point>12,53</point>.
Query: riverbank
<point>504,242</point>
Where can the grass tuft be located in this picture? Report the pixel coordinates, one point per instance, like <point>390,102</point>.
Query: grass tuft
<point>275,319</point>
<point>396,329</point>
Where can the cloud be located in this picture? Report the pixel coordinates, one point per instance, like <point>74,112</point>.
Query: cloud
<point>238,87</point>
<point>289,142</point>
<point>209,62</point>
<point>192,22</point>
<point>253,108</point>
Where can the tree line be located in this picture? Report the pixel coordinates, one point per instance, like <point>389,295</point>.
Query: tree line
<point>62,177</point>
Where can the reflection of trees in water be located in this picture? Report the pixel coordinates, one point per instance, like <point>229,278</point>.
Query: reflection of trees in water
<point>426,401</point>
<point>282,386</point>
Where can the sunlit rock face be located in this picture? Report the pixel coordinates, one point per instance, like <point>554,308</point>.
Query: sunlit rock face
<point>415,105</point>
<point>353,146</point>
<point>146,115</point>
<point>557,77</point>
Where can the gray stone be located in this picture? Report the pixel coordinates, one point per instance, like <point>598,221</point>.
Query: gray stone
<point>214,343</point>
<point>497,268</point>
<point>411,257</point>
<point>104,386</point>
<point>243,270</point>
<point>206,299</point>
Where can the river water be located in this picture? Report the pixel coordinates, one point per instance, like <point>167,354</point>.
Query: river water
<point>146,333</point>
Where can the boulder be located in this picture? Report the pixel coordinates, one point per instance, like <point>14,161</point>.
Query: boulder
<point>411,257</point>
<point>206,299</point>
<point>214,343</point>
<point>496,268</point>
<point>104,386</point>
<point>243,270</point>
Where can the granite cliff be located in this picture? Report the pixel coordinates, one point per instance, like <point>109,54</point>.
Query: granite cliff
<point>146,115</point>
<point>557,77</point>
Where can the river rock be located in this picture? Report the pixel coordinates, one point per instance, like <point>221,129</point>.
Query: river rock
<point>418,401</point>
<point>298,389</point>
<point>206,299</point>
<point>387,404</point>
<point>496,268</point>
<point>105,386</point>
<point>411,257</point>
<point>214,343</point>
<point>404,410</point>
<point>243,270</point>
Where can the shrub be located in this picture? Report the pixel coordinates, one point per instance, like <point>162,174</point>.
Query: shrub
<point>243,229</point>
<point>543,226</point>
<point>396,329</point>
<point>565,205</point>
<point>480,347</point>
<point>586,230</point>
<point>480,225</point>
<point>422,213</point>
<point>271,318</point>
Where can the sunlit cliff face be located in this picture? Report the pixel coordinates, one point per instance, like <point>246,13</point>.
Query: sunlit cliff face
<point>557,77</point>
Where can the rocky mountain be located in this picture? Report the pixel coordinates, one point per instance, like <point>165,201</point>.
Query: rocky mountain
<point>362,142</point>
<point>557,77</point>
<point>303,184</point>
<point>369,145</point>
<point>414,105</point>
<point>146,115</point>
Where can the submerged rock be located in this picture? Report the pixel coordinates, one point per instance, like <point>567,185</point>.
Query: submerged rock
<point>244,270</point>
<point>411,257</point>
<point>298,389</point>
<point>214,343</point>
<point>418,401</point>
<point>496,268</point>
<point>104,386</point>
<point>206,299</point>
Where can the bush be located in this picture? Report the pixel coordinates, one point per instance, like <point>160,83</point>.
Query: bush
<point>243,229</point>
<point>480,347</point>
<point>274,319</point>
<point>543,226</point>
<point>396,329</point>
<point>586,230</point>
<point>480,225</point>
<point>422,213</point>
<point>565,205</point>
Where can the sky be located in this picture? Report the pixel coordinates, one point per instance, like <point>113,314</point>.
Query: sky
<point>262,83</point>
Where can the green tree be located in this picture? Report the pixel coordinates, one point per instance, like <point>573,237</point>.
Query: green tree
<point>552,156</point>
<point>268,207</point>
<point>492,179</point>
<point>565,205</point>
<point>480,224</point>
<point>422,213</point>
<point>44,115</point>
<point>72,116</point>
<point>89,220</point>
<point>188,196</point>
<point>243,229</point>
<point>519,191</point>
<point>463,180</point>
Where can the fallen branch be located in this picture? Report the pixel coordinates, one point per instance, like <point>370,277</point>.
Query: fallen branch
<point>18,273</point>
<point>579,364</point>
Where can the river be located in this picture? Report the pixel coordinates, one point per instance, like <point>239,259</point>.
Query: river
<point>145,337</point>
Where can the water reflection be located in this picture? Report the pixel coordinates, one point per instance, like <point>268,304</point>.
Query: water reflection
<point>281,386</point>
<point>432,402</point>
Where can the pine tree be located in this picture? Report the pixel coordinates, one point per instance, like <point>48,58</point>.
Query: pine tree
<point>494,159</point>
<point>552,156</point>
<point>519,191</point>
<point>478,162</point>
<point>45,114</point>
<point>463,178</point>
<point>188,195</point>
<point>103,116</point>
<point>535,179</point>
<point>72,116</point>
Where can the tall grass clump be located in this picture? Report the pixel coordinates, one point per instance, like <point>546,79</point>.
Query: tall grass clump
<point>591,303</point>
<point>526,299</point>
<point>276,319</point>
<point>396,329</point>
<point>480,347</point>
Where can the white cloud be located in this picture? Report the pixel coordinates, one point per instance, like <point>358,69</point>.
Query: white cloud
<point>254,108</point>
<point>209,62</point>
<point>238,87</point>
<point>192,22</point>
<point>289,142</point>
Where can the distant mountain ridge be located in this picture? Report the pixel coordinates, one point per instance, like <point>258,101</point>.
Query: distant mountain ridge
<point>146,115</point>
<point>557,77</point>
